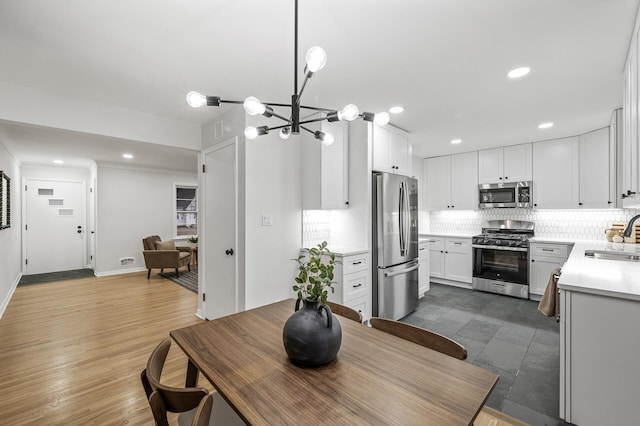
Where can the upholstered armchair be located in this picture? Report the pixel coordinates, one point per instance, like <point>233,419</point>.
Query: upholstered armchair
<point>164,254</point>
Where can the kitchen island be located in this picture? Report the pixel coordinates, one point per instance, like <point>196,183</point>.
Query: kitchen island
<point>600,337</point>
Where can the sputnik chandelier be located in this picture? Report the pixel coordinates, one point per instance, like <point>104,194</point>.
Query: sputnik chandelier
<point>316,59</point>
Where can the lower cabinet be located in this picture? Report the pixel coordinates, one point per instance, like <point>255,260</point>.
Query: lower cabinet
<point>544,258</point>
<point>352,283</point>
<point>423,267</point>
<point>450,259</point>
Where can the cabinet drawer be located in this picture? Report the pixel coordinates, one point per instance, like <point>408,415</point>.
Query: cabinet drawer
<point>436,244</point>
<point>458,245</point>
<point>355,285</point>
<point>552,250</point>
<point>354,263</point>
<point>361,305</point>
<point>423,250</point>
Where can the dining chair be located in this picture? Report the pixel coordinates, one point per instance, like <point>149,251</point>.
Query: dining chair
<point>163,398</point>
<point>345,311</point>
<point>420,336</point>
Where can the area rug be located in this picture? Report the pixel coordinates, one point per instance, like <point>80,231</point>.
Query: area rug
<point>187,279</point>
<point>55,276</point>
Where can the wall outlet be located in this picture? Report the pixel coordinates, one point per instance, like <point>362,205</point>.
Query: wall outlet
<point>126,261</point>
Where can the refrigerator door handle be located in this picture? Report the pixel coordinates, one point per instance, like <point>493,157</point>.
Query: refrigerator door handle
<point>402,271</point>
<point>401,219</point>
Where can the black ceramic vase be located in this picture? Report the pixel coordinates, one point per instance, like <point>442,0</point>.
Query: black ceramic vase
<point>311,336</point>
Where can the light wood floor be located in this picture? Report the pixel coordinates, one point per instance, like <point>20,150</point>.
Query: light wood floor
<point>72,351</point>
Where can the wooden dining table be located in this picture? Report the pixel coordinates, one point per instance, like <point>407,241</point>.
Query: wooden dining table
<point>376,378</point>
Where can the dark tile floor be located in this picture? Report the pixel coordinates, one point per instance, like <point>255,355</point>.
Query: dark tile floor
<point>505,335</point>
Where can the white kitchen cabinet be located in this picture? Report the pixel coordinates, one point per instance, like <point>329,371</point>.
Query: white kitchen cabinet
<point>506,164</point>
<point>452,182</point>
<point>325,177</point>
<point>599,346</point>
<point>423,268</point>
<point>630,190</point>
<point>391,150</point>
<point>597,179</point>
<point>352,286</point>
<point>450,259</point>
<point>544,258</point>
<point>556,173</point>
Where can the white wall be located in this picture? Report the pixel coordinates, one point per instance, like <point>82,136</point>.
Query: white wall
<point>10,241</point>
<point>132,204</point>
<point>274,186</point>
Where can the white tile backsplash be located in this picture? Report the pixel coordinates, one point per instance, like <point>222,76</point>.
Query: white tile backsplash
<point>569,224</point>
<point>316,227</point>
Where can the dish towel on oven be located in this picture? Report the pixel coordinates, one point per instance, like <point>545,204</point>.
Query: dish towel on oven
<point>550,302</point>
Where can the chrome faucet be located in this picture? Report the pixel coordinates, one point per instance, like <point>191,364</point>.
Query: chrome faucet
<point>629,228</point>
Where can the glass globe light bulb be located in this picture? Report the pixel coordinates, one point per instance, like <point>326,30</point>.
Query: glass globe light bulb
<point>316,58</point>
<point>251,133</point>
<point>328,139</point>
<point>382,118</point>
<point>285,132</point>
<point>196,100</point>
<point>349,113</point>
<point>253,106</point>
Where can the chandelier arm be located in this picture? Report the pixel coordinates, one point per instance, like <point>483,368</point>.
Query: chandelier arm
<point>308,130</point>
<point>315,120</point>
<point>227,101</point>
<point>317,108</point>
<point>281,117</point>
<point>304,84</point>
<point>276,105</point>
<point>279,127</point>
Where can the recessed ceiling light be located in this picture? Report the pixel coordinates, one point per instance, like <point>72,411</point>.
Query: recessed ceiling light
<point>545,125</point>
<point>456,141</point>
<point>127,156</point>
<point>396,110</point>
<point>58,161</point>
<point>518,72</point>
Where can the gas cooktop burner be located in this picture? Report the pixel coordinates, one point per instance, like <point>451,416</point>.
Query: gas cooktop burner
<point>507,233</point>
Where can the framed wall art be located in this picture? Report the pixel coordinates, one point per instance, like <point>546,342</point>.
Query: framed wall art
<point>5,201</point>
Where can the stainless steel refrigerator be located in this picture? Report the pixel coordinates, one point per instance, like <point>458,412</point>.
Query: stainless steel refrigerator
<point>395,245</point>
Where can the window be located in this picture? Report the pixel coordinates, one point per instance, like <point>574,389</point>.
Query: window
<point>186,210</point>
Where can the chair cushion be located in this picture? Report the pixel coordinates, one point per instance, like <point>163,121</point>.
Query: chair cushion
<point>165,245</point>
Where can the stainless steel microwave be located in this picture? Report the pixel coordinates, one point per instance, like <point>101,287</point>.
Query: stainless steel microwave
<point>505,195</point>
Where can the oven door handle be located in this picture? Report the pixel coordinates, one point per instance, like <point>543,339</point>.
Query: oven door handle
<point>499,248</point>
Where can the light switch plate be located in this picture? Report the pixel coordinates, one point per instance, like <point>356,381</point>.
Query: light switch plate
<point>267,219</point>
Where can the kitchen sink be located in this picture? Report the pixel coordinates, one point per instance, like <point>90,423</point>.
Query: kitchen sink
<point>613,255</point>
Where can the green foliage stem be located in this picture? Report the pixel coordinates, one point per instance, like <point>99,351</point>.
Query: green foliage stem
<point>315,277</point>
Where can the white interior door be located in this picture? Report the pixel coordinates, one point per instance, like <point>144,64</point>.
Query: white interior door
<point>220,275</point>
<point>55,226</point>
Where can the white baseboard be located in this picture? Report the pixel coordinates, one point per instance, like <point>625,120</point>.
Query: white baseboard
<point>199,314</point>
<point>451,283</point>
<point>118,272</point>
<point>7,299</point>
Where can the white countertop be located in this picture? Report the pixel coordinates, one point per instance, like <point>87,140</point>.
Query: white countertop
<point>446,234</point>
<point>345,251</point>
<point>613,278</point>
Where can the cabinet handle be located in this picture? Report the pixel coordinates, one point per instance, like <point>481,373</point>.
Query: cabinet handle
<point>357,285</point>
<point>579,204</point>
<point>533,260</point>
<point>441,251</point>
<point>422,249</point>
<point>446,251</point>
<point>500,178</point>
<point>544,249</point>
<point>346,203</point>
<point>452,206</point>
<point>506,177</point>
<point>535,205</point>
<point>458,244</point>
<point>609,202</point>
<point>356,263</point>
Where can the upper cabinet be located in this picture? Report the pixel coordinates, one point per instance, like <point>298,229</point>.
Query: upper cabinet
<point>452,182</point>
<point>391,150</point>
<point>629,192</point>
<point>574,173</point>
<point>325,178</point>
<point>597,178</point>
<point>556,173</point>
<point>508,164</point>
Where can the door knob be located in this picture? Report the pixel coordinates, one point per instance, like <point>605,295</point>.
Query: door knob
<point>229,252</point>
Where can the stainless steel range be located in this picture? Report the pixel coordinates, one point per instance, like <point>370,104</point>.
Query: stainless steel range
<point>501,258</point>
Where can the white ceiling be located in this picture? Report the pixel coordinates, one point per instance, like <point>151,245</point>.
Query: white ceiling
<point>445,61</point>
